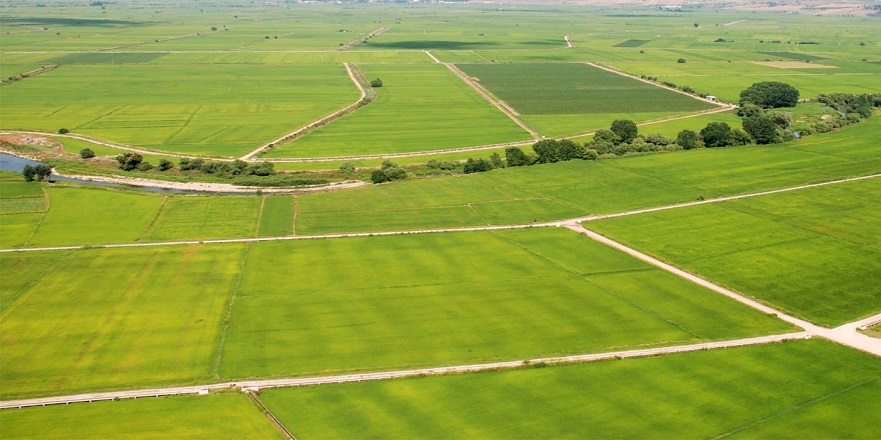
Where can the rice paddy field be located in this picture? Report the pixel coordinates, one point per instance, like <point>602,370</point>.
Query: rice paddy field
<point>811,252</point>
<point>121,306</point>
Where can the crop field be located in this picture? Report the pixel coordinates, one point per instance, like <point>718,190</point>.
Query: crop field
<point>822,240</point>
<point>805,389</point>
<point>396,122</point>
<point>171,108</point>
<point>115,318</point>
<point>575,88</point>
<point>121,304</point>
<point>455,298</point>
<point>222,416</point>
<point>444,299</point>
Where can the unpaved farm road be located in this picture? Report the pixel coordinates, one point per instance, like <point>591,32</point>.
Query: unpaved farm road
<point>845,334</point>
<point>249,385</point>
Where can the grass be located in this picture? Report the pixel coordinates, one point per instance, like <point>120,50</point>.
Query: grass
<point>811,252</point>
<point>419,108</point>
<point>442,299</point>
<point>219,416</point>
<point>575,88</point>
<point>804,389</point>
<point>115,318</point>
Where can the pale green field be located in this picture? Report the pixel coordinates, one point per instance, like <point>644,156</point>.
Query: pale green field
<point>804,389</point>
<point>825,241</point>
<point>169,108</point>
<point>419,108</point>
<point>120,318</point>
<point>336,305</point>
<point>198,217</point>
<point>277,216</point>
<point>223,416</point>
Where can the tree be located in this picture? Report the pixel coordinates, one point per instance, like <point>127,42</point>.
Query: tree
<point>770,94</point>
<point>687,139</point>
<point>763,129</point>
<point>87,153</point>
<point>129,161</point>
<point>547,151</point>
<point>516,157</point>
<point>376,83</point>
<point>740,137</point>
<point>658,139</point>
<point>28,172</point>
<point>477,165</point>
<point>496,160</point>
<point>165,165</point>
<point>379,176</point>
<point>716,134</point>
<point>625,129</point>
<point>606,135</point>
<point>347,168</point>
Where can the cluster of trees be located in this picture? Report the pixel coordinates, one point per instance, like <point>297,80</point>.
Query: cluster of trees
<point>36,172</point>
<point>769,94</point>
<point>847,103</point>
<point>228,170</point>
<point>388,172</point>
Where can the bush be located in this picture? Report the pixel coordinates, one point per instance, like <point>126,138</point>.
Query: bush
<point>347,168</point>
<point>145,166</point>
<point>477,166</point>
<point>658,139</point>
<point>165,165</point>
<point>191,164</point>
<point>63,131</point>
<point>376,83</point>
<point>87,153</point>
<point>681,61</point>
<point>591,154</point>
<point>129,161</point>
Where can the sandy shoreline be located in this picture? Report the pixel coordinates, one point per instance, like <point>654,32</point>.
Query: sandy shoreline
<point>211,187</point>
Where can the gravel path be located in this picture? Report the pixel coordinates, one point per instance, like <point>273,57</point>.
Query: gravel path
<point>254,385</point>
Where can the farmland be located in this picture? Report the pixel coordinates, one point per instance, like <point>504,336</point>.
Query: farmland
<point>120,291</point>
<point>777,247</point>
<point>794,389</point>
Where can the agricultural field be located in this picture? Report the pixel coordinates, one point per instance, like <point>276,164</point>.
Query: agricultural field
<point>221,416</point>
<point>541,91</point>
<point>121,304</point>
<point>802,389</point>
<point>411,95</point>
<point>170,108</point>
<point>823,240</point>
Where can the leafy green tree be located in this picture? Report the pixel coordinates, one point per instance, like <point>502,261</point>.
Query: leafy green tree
<point>165,165</point>
<point>477,165</point>
<point>87,153</point>
<point>658,139</point>
<point>770,94</point>
<point>515,157</point>
<point>740,137</point>
<point>496,160</point>
<point>379,176</point>
<point>262,168</point>
<point>28,172</point>
<point>687,139</point>
<point>716,134</point>
<point>606,135</point>
<point>129,161</point>
<point>625,129</point>
<point>763,129</point>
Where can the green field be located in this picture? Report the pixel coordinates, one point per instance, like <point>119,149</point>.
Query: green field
<point>575,88</point>
<point>439,299</point>
<point>805,389</point>
<point>223,416</point>
<point>811,252</point>
<point>114,318</point>
<point>419,108</point>
<point>170,108</point>
<point>316,306</point>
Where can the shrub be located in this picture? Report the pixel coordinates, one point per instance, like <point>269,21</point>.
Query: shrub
<point>347,168</point>
<point>376,83</point>
<point>129,161</point>
<point>681,61</point>
<point>63,131</point>
<point>145,166</point>
<point>716,134</point>
<point>87,153</point>
<point>165,165</point>
<point>477,166</point>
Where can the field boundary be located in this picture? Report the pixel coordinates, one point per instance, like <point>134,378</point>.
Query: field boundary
<point>256,385</point>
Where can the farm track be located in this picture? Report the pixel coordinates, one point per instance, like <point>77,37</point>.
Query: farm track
<point>845,334</point>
